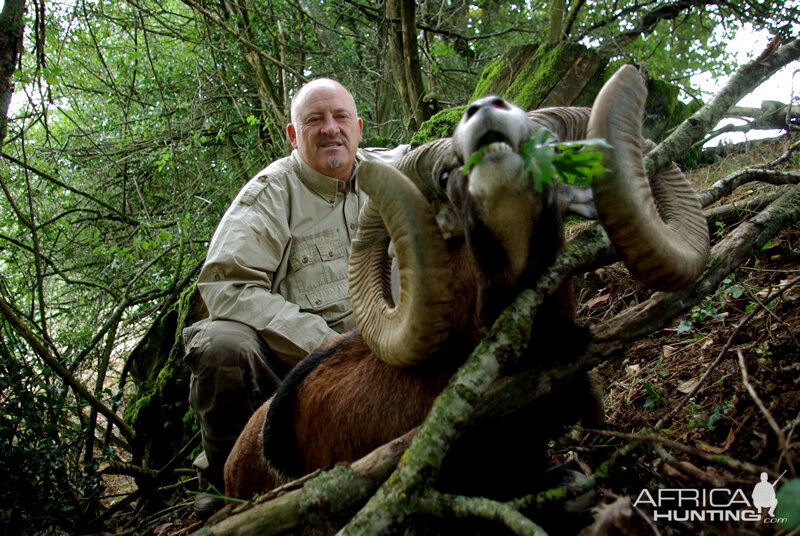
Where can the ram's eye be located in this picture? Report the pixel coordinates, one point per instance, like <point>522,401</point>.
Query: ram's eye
<point>444,176</point>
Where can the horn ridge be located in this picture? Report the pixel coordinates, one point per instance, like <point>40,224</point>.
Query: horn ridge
<point>406,332</point>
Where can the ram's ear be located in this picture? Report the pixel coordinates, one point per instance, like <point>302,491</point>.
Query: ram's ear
<point>575,200</point>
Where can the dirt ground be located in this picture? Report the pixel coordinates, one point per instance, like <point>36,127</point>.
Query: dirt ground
<point>724,435</point>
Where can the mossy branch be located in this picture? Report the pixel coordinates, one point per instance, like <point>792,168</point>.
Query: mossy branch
<point>307,503</point>
<point>457,506</point>
<point>746,78</point>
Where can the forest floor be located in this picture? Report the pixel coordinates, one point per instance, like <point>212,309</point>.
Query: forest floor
<point>722,436</point>
<point>721,425</point>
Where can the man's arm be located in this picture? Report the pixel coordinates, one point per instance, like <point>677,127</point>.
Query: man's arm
<point>236,281</point>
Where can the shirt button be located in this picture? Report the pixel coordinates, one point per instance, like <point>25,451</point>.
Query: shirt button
<point>318,302</point>
<point>305,260</point>
<point>330,254</point>
<point>352,226</point>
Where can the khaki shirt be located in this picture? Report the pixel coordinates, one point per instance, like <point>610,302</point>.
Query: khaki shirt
<point>278,259</point>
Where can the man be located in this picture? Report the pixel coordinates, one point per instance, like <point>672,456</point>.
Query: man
<point>275,277</point>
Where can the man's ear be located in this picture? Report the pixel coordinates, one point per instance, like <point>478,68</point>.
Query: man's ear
<point>360,130</point>
<point>292,133</point>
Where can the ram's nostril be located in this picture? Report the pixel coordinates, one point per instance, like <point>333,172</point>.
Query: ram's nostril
<point>500,103</point>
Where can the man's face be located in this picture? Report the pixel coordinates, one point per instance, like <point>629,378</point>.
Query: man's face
<point>325,129</point>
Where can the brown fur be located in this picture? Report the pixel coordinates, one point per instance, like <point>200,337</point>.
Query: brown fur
<point>338,417</point>
<point>338,397</point>
<point>246,472</point>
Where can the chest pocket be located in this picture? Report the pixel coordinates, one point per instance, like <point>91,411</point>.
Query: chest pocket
<point>320,247</point>
<point>317,279</point>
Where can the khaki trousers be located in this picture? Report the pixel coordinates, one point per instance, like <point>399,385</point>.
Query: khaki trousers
<point>233,373</point>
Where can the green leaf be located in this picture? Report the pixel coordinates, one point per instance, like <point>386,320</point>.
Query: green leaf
<point>573,162</point>
<point>789,504</point>
<point>736,291</point>
<point>538,158</point>
<point>473,160</point>
<point>653,397</point>
<point>715,418</point>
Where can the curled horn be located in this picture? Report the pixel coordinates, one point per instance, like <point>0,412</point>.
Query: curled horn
<point>657,225</point>
<point>406,333</point>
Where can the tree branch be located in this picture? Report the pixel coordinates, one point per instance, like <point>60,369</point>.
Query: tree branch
<point>122,217</point>
<point>62,372</point>
<point>250,46</point>
<point>445,505</point>
<point>728,184</point>
<point>342,488</point>
<point>742,82</point>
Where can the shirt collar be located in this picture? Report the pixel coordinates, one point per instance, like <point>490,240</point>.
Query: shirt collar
<point>322,185</point>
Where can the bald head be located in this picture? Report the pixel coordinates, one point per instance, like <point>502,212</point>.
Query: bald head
<point>325,127</point>
<point>297,100</point>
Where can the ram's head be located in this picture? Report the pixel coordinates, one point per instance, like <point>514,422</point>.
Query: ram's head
<point>513,231</point>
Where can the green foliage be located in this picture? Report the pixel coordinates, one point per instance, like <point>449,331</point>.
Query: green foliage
<point>789,504</point>
<point>42,484</point>
<point>654,398</point>
<point>698,417</point>
<point>571,162</point>
<point>142,122</point>
<point>709,309</point>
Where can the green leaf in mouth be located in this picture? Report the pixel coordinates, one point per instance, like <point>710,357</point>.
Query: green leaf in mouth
<point>573,162</point>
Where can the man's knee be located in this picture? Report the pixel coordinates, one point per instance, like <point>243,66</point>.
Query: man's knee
<point>232,368</point>
<point>221,343</point>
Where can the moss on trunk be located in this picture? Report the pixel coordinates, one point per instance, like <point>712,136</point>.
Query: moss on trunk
<point>440,125</point>
<point>551,74</point>
<point>160,412</point>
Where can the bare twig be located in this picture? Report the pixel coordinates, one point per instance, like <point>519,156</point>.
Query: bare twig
<point>765,306</point>
<point>687,469</point>
<point>764,411</point>
<point>652,437</point>
<point>746,320</point>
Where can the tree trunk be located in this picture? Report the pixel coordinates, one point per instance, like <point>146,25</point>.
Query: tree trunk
<point>271,102</point>
<point>11,25</point>
<point>556,20</point>
<point>404,59</point>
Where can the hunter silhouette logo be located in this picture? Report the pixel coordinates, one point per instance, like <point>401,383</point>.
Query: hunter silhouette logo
<point>764,494</point>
